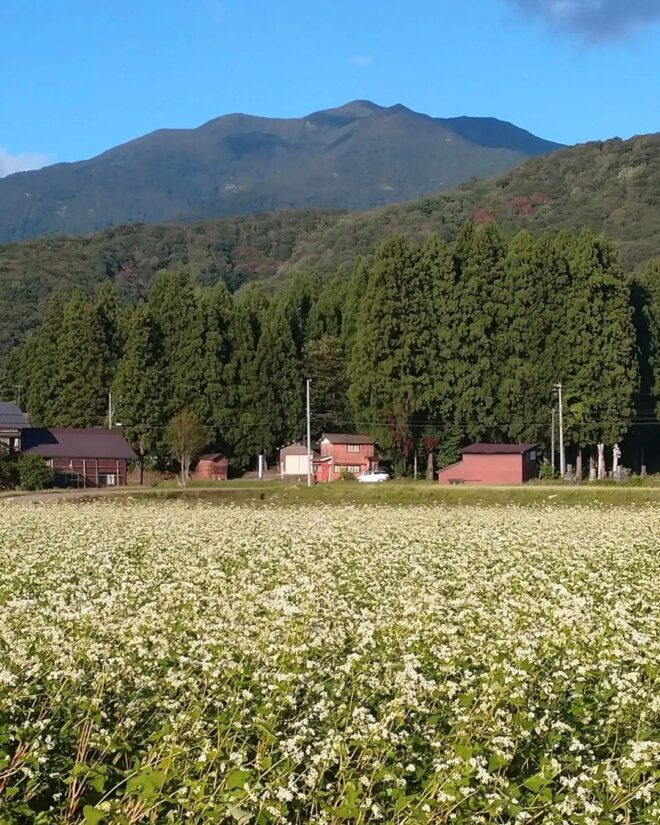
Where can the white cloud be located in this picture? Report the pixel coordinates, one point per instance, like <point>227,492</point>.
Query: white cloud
<point>20,163</point>
<point>361,60</point>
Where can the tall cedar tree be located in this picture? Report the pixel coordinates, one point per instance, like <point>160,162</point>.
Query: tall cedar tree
<point>215,406</point>
<point>176,310</point>
<point>39,358</point>
<point>327,315</point>
<point>325,364</point>
<point>112,319</point>
<point>81,397</point>
<point>600,374</point>
<point>244,430</point>
<point>478,291</point>
<point>297,301</point>
<point>280,382</point>
<point>394,363</point>
<point>524,327</point>
<point>355,292</point>
<point>139,393</point>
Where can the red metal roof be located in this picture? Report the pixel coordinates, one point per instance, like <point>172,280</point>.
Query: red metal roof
<point>212,457</point>
<point>348,438</point>
<point>497,449</point>
<point>76,443</point>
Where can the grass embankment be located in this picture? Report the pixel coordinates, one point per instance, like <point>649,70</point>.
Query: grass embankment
<point>411,492</point>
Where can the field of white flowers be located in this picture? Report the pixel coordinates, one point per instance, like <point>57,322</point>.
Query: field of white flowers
<point>176,662</point>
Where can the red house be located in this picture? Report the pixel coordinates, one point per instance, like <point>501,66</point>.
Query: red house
<point>81,457</point>
<point>212,467</point>
<point>343,454</point>
<point>493,464</point>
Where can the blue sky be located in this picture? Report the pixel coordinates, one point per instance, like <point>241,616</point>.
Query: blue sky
<point>77,77</point>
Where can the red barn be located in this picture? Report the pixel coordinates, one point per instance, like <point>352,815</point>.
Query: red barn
<point>212,467</point>
<point>493,464</point>
<point>344,454</point>
<point>81,457</point>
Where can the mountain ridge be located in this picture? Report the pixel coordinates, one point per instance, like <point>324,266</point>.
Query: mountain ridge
<point>356,156</point>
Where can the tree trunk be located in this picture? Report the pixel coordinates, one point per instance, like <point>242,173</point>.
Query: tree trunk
<point>616,458</point>
<point>429,467</point>
<point>592,466</point>
<point>601,461</point>
<point>578,465</point>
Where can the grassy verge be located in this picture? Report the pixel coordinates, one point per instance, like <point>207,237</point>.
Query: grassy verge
<point>406,492</point>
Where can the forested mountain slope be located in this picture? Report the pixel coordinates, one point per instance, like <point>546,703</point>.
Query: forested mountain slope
<point>611,187</point>
<point>357,156</point>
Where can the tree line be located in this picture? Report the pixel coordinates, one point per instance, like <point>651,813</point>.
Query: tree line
<point>427,347</point>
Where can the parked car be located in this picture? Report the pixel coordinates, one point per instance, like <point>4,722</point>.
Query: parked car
<point>373,477</point>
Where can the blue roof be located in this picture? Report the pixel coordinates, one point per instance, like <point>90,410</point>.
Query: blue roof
<point>12,417</point>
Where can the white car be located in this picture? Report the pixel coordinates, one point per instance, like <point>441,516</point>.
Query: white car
<point>373,477</point>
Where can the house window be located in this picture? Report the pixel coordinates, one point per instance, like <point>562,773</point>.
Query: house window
<point>353,448</point>
<point>350,469</point>
<point>532,455</point>
<point>109,480</point>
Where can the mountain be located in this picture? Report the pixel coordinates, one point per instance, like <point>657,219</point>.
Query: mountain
<point>613,187</point>
<point>355,157</point>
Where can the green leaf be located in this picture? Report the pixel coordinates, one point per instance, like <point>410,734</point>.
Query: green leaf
<point>236,779</point>
<point>93,815</point>
<point>535,783</point>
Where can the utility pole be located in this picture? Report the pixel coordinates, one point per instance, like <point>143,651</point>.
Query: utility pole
<point>562,457</point>
<point>110,411</point>
<point>309,435</point>
<point>552,441</point>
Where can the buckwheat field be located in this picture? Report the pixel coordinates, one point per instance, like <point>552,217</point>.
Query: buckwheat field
<point>178,662</point>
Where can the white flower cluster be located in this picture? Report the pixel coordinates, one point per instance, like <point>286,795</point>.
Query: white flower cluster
<point>183,662</point>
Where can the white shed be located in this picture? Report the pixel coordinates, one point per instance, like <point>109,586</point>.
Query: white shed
<point>293,460</point>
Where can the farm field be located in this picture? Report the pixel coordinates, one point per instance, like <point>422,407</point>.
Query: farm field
<point>174,661</point>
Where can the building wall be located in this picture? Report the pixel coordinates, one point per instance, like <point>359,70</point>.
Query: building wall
<point>348,456</point>
<point>295,465</point>
<point>90,472</point>
<point>485,469</point>
<point>212,470</point>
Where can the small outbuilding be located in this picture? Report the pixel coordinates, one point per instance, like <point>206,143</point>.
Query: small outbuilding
<point>212,467</point>
<point>293,460</point>
<point>12,423</point>
<point>91,457</point>
<point>493,464</point>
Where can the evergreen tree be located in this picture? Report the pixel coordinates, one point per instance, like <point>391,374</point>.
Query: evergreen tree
<point>217,309</point>
<point>297,302</point>
<point>244,426</point>
<point>477,374</point>
<point>601,376</point>
<point>39,366</point>
<point>325,364</point>
<point>524,329</point>
<point>395,360</point>
<point>280,382</point>
<point>112,320</point>
<point>326,316</point>
<point>355,292</point>
<point>138,390</point>
<point>176,310</point>
<point>81,396</point>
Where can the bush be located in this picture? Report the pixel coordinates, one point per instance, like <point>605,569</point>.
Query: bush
<point>34,473</point>
<point>546,471</point>
<point>8,475</point>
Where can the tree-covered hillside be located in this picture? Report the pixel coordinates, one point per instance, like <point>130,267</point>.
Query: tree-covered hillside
<point>612,188</point>
<point>429,345</point>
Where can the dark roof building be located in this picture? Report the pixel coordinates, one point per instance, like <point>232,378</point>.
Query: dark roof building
<point>91,457</point>
<point>12,422</point>
<point>493,464</point>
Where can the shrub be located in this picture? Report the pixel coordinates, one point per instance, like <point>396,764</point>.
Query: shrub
<point>34,473</point>
<point>8,475</point>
